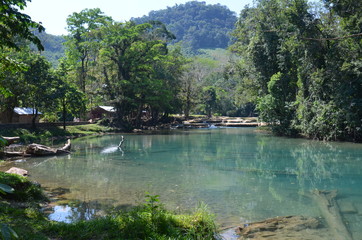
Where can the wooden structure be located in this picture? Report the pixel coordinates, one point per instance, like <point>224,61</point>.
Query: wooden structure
<point>19,115</point>
<point>100,112</point>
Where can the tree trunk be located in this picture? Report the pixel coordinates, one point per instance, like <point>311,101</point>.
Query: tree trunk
<point>64,114</point>
<point>139,115</point>
<point>33,126</point>
<point>7,116</point>
<point>331,213</point>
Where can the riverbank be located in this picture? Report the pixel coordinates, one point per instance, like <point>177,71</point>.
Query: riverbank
<point>221,122</point>
<point>48,134</point>
<point>21,217</point>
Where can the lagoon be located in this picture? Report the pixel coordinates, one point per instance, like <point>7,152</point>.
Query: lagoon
<point>241,174</point>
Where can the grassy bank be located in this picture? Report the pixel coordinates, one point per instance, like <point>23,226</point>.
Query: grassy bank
<point>19,211</point>
<point>42,135</point>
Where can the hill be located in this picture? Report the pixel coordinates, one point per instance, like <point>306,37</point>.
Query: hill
<point>196,24</point>
<point>53,46</point>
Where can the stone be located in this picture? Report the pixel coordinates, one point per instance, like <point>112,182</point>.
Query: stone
<point>347,207</point>
<point>289,227</point>
<point>19,171</point>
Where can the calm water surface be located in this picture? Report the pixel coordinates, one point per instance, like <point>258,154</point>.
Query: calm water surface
<point>242,175</point>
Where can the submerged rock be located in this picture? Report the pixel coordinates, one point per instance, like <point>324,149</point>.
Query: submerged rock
<point>290,227</point>
<point>347,207</point>
<point>19,171</point>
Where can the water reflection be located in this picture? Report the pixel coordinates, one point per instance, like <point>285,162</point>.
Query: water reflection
<point>240,174</point>
<point>77,210</point>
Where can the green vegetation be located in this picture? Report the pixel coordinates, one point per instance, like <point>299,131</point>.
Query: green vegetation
<point>298,66</point>
<point>144,222</point>
<point>24,190</point>
<point>54,49</point>
<point>301,65</point>
<point>148,221</point>
<point>196,24</point>
<point>46,134</point>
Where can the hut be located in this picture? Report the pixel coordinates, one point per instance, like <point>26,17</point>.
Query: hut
<point>19,115</point>
<point>102,112</point>
<point>25,115</point>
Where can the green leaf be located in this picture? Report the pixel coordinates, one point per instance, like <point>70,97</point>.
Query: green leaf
<point>6,188</point>
<point>7,232</point>
<point>3,142</point>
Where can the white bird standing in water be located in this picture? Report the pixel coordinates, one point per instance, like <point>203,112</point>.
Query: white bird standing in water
<point>121,142</point>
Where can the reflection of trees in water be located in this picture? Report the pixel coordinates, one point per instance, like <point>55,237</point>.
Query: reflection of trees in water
<point>78,210</point>
<point>84,211</point>
<point>326,165</point>
<point>316,165</point>
<point>281,166</point>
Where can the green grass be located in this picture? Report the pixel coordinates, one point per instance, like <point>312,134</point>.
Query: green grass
<point>20,212</point>
<point>140,223</point>
<point>25,191</point>
<point>42,135</point>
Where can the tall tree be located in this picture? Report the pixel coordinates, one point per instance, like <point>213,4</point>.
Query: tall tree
<point>138,68</point>
<point>39,84</point>
<point>14,26</point>
<point>82,41</point>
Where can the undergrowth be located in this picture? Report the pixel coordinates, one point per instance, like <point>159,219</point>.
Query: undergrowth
<point>44,135</point>
<point>146,221</point>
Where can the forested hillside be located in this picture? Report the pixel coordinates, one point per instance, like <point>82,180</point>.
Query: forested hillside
<point>53,46</point>
<point>196,24</point>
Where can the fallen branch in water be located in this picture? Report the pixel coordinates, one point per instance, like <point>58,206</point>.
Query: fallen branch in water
<point>328,205</point>
<point>36,150</point>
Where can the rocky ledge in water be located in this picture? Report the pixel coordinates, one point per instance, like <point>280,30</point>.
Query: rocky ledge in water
<point>221,122</point>
<point>281,228</point>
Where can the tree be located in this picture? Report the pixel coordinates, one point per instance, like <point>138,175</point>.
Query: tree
<point>16,24</point>
<point>82,42</point>
<point>137,68</point>
<point>32,85</point>
<point>190,85</point>
<point>209,98</point>
<point>39,84</point>
<point>12,82</point>
<point>68,97</point>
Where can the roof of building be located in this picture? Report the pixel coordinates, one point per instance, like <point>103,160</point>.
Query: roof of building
<point>108,108</point>
<point>25,111</point>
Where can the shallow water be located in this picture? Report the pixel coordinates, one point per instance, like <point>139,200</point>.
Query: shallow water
<point>242,175</point>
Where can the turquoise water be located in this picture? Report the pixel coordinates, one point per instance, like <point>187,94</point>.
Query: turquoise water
<point>242,175</point>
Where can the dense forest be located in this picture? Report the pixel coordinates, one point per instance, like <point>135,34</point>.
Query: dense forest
<point>54,48</point>
<point>196,24</point>
<point>295,64</point>
<point>302,66</point>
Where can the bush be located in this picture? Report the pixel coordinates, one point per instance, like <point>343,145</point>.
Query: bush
<point>149,221</point>
<point>24,190</point>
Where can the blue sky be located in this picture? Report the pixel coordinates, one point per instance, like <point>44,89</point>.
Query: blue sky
<point>53,13</point>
